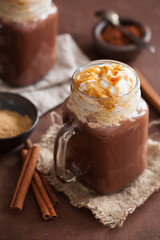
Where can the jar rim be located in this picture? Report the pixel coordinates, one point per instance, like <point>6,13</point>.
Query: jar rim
<point>102,62</point>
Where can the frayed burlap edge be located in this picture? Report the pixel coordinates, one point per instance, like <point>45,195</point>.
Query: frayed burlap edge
<point>111,210</point>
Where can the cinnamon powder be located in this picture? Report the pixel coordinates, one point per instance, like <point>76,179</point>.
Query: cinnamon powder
<point>114,36</point>
<point>12,123</point>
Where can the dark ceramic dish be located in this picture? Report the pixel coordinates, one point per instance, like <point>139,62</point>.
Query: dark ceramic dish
<point>17,103</point>
<point>121,53</point>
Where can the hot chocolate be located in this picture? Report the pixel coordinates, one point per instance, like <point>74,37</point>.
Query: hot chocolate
<point>27,40</point>
<point>106,127</point>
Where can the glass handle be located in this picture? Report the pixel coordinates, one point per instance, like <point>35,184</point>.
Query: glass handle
<point>65,133</point>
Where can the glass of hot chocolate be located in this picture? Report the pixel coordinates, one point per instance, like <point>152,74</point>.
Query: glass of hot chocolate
<point>103,142</point>
<point>28,31</point>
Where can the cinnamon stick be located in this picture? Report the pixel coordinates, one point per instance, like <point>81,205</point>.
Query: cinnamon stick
<point>49,190</point>
<point>44,194</point>
<point>149,92</point>
<point>44,210</point>
<point>24,153</point>
<point>45,205</point>
<point>28,143</point>
<point>25,163</point>
<point>24,180</point>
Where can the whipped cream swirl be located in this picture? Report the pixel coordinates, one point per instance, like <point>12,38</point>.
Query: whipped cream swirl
<point>105,92</point>
<point>23,11</point>
<point>105,81</point>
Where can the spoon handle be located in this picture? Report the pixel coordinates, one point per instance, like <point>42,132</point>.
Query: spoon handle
<point>137,40</point>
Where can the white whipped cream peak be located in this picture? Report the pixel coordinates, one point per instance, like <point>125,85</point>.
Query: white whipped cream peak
<point>106,81</point>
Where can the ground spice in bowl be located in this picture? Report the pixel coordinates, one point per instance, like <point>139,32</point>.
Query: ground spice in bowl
<point>113,44</point>
<point>114,36</point>
<point>13,124</point>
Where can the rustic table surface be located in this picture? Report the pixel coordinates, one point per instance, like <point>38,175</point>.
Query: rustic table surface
<point>77,18</point>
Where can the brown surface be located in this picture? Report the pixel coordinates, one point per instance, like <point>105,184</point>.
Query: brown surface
<point>72,223</point>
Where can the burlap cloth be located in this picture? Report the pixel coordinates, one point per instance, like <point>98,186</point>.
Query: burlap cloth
<point>111,210</point>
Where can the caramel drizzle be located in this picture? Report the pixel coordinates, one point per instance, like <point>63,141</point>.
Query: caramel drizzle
<point>92,77</point>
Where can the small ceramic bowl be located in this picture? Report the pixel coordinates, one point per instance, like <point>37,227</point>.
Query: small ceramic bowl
<point>121,53</point>
<point>21,105</point>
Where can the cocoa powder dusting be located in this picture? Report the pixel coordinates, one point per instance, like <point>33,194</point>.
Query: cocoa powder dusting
<point>114,36</point>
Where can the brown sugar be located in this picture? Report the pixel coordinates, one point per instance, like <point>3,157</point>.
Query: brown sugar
<point>114,36</point>
<point>12,123</point>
